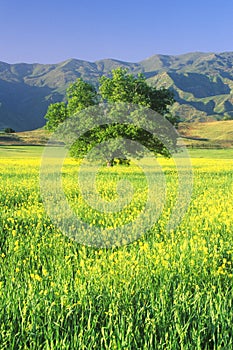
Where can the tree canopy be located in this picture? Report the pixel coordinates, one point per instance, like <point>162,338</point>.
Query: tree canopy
<point>56,114</point>
<point>119,88</point>
<point>124,87</point>
<point>80,95</point>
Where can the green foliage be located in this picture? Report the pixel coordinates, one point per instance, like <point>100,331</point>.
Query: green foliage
<point>80,95</point>
<point>115,140</point>
<point>9,130</point>
<point>121,87</point>
<point>56,114</point>
<point>124,87</point>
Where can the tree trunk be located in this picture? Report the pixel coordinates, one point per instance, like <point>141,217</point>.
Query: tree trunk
<point>110,162</point>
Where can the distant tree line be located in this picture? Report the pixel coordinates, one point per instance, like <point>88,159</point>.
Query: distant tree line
<point>9,130</point>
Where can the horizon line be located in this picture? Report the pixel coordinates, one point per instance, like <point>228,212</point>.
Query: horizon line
<point>120,60</point>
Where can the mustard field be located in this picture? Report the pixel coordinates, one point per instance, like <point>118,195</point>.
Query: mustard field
<point>168,289</point>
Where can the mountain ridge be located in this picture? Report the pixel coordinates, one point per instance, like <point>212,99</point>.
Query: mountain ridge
<point>202,85</point>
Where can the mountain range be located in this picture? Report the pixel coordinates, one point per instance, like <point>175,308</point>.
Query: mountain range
<point>202,85</point>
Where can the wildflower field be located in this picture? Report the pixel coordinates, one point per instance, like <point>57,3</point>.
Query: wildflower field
<point>166,290</point>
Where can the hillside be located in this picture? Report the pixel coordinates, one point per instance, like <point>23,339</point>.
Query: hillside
<point>218,134</point>
<point>202,84</point>
<point>38,137</point>
<point>209,134</point>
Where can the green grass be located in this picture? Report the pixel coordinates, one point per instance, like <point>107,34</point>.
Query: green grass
<point>21,151</point>
<point>167,290</point>
<point>211,153</point>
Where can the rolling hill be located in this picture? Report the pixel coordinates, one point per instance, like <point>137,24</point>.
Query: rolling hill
<point>218,134</point>
<point>202,84</point>
<point>215,134</point>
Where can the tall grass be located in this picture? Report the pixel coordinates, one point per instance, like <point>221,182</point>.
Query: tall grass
<point>167,290</point>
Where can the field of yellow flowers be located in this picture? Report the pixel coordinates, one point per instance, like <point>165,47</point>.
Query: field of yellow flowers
<point>166,290</point>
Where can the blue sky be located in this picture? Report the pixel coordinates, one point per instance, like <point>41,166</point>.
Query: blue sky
<point>49,31</point>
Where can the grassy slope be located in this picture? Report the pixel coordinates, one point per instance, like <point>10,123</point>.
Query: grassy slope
<point>34,137</point>
<point>218,133</point>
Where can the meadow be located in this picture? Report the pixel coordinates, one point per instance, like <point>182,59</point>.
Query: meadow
<point>166,290</point>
